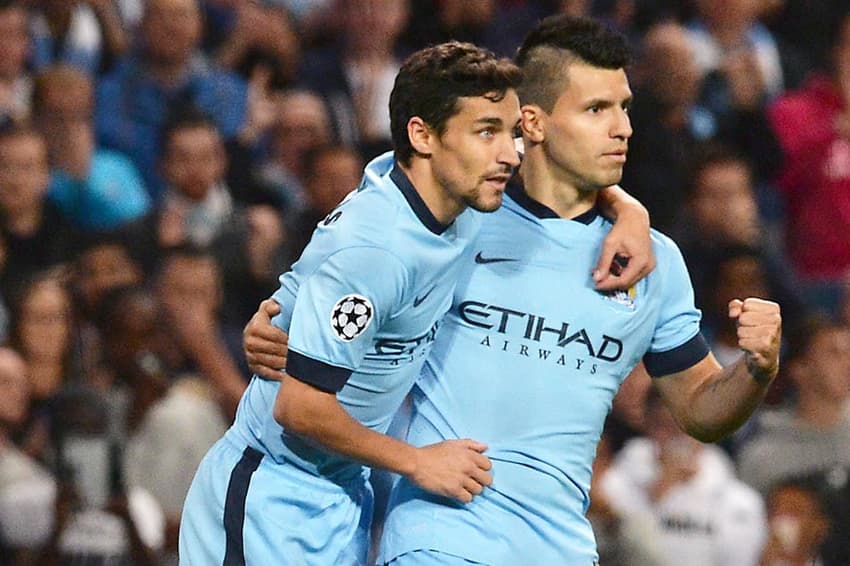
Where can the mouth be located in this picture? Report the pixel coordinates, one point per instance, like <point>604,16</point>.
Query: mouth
<point>619,155</point>
<point>498,180</point>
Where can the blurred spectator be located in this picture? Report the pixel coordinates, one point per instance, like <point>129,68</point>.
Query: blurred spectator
<point>356,75</point>
<point>798,526</point>
<point>802,28</point>
<point>705,515</point>
<point>435,21</point>
<point>189,289</point>
<point>721,220</point>
<point>95,188</point>
<point>97,519</point>
<point>498,25</point>
<point>251,264</point>
<point>166,74</point>
<point>87,34</point>
<point>811,438</point>
<point>670,125</point>
<point>735,51</point>
<point>27,490</point>
<point>622,539</point>
<point>105,263</point>
<point>331,172</point>
<point>303,124</point>
<point>247,35</point>
<point>196,207</point>
<point>721,210</point>
<point>140,348</point>
<point>813,127</point>
<point>36,235</point>
<point>814,434</point>
<point>15,83</point>
<point>43,333</point>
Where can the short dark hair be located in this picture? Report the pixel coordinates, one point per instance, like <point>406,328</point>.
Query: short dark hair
<point>708,155</point>
<point>559,41</point>
<point>183,117</point>
<point>431,81</point>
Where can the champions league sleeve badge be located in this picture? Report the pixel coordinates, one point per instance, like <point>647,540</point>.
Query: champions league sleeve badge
<point>351,316</point>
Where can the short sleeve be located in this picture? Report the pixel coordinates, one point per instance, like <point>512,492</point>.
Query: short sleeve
<point>338,310</point>
<point>676,343</point>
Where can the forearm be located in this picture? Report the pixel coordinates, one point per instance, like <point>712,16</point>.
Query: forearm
<point>114,35</point>
<point>724,401</point>
<point>614,202</point>
<point>318,417</point>
<point>202,343</point>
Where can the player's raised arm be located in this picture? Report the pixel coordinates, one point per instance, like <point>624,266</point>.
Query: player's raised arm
<point>709,401</point>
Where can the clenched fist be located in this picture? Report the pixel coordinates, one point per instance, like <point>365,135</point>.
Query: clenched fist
<point>759,335</point>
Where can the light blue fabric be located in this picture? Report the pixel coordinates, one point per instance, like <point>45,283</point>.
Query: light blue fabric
<point>113,193</point>
<point>528,360</point>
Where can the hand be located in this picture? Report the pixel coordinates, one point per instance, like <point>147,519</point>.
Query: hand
<point>759,335</point>
<point>265,344</point>
<point>453,468</point>
<point>626,255</point>
<point>261,113</point>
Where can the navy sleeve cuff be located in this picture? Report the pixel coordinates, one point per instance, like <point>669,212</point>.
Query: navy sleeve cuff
<point>678,359</point>
<point>320,375</point>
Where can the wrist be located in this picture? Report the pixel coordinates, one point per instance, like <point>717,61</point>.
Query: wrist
<point>762,376</point>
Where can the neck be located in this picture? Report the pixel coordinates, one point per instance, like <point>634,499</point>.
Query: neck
<point>553,188</point>
<point>443,205</point>
<point>820,411</point>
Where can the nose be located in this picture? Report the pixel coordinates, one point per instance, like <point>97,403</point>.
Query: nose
<point>622,126</point>
<point>507,151</point>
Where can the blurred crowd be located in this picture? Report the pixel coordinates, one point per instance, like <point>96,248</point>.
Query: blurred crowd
<point>163,161</point>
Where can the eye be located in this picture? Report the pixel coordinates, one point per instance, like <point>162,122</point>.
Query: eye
<point>517,131</point>
<point>487,132</point>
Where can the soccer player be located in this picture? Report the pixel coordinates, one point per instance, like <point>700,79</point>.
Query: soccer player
<point>530,355</point>
<point>381,267</point>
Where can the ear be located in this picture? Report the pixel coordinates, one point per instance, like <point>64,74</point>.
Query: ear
<point>421,136</point>
<point>533,123</point>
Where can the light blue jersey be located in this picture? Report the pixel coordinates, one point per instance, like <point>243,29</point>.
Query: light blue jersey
<point>362,306</point>
<point>528,360</point>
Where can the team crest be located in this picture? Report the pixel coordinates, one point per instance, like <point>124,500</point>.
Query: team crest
<point>351,316</point>
<point>625,298</point>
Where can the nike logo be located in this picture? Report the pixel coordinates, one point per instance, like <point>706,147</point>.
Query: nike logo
<point>418,300</point>
<point>481,259</point>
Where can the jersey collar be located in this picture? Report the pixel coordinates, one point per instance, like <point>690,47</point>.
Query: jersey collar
<point>420,209</point>
<point>516,191</point>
